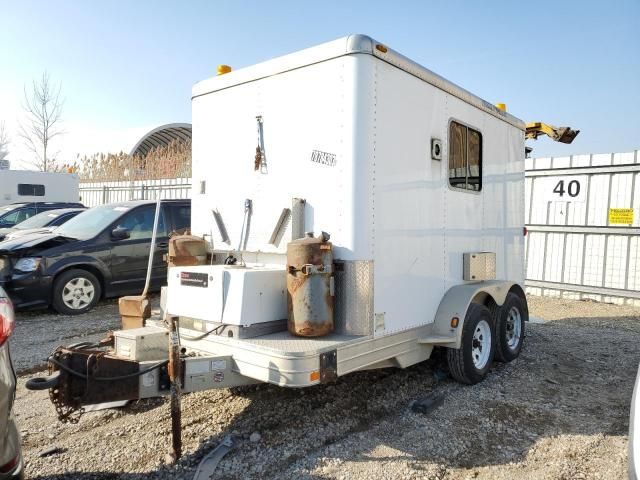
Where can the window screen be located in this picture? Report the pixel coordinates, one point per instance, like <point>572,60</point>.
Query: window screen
<point>31,189</point>
<point>465,157</point>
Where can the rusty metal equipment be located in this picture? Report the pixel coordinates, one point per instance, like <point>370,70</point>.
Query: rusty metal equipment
<point>134,310</point>
<point>175,372</point>
<point>187,251</point>
<point>310,286</point>
<point>88,374</point>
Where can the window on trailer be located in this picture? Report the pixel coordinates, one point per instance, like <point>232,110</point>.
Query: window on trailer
<point>465,157</point>
<point>31,189</point>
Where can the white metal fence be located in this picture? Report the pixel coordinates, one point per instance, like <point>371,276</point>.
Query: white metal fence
<point>98,193</point>
<point>582,213</point>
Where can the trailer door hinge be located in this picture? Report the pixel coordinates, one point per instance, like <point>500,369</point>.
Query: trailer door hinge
<point>329,366</point>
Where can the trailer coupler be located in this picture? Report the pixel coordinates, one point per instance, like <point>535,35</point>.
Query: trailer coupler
<point>90,374</point>
<point>85,375</point>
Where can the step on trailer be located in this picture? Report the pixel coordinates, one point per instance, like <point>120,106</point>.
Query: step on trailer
<point>420,186</point>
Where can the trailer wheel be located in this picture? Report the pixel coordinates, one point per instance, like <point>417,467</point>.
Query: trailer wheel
<point>510,319</point>
<point>472,361</point>
<point>75,291</point>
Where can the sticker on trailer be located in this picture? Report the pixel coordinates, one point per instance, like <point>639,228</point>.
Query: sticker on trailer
<point>218,376</point>
<point>565,189</point>
<point>194,279</point>
<point>323,158</point>
<point>218,364</point>
<point>197,367</point>
<point>620,216</point>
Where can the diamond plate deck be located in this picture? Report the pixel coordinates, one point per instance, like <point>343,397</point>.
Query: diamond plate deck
<point>284,342</point>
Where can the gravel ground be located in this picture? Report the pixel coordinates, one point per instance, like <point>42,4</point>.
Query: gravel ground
<point>39,332</point>
<point>559,411</point>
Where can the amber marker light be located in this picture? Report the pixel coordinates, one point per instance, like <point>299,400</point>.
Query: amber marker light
<point>314,376</point>
<point>381,48</point>
<point>454,322</point>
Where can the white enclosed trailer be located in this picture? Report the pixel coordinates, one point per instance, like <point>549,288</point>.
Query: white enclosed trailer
<point>420,184</point>
<point>410,174</point>
<point>18,186</point>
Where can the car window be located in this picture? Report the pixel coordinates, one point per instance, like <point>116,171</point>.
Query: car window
<point>91,222</point>
<point>62,218</point>
<point>37,221</point>
<point>139,223</point>
<point>18,216</point>
<point>181,216</point>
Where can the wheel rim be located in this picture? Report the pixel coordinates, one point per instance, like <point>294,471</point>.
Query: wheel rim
<point>78,293</point>
<point>513,328</point>
<point>481,344</point>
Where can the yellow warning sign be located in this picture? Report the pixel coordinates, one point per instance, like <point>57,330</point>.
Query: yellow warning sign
<point>619,216</point>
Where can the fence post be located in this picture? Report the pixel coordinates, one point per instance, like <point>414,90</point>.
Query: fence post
<point>143,192</point>
<point>105,194</point>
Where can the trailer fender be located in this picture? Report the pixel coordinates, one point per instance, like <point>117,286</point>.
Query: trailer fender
<point>455,303</point>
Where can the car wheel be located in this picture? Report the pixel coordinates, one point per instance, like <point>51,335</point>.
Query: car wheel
<point>472,361</point>
<point>75,292</point>
<point>510,320</point>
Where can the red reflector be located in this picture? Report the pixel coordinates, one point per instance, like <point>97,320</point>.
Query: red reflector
<point>11,465</point>
<point>524,231</point>
<point>7,319</point>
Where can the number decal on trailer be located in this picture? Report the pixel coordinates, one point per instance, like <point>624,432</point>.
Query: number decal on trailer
<point>565,189</point>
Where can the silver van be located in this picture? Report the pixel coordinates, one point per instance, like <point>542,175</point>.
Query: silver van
<point>11,465</point>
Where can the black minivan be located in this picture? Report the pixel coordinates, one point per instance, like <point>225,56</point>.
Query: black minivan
<point>102,252</point>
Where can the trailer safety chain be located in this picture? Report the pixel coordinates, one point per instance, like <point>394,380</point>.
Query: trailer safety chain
<point>66,413</point>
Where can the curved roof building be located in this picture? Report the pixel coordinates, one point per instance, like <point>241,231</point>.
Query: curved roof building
<point>162,136</point>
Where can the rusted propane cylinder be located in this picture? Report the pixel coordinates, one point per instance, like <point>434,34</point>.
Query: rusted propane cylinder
<point>310,285</point>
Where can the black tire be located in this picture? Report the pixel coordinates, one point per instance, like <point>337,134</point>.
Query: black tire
<point>461,361</point>
<point>508,337</point>
<point>86,301</point>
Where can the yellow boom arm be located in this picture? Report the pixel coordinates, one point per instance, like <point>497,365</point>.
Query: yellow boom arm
<point>557,134</point>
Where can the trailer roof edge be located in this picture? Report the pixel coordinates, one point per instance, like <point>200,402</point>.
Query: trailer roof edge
<point>349,45</point>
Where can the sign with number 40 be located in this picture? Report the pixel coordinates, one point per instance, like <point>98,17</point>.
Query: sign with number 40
<point>565,189</point>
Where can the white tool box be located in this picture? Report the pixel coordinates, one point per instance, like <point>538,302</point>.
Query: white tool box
<point>142,344</point>
<point>229,294</point>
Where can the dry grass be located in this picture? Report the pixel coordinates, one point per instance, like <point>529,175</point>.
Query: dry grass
<point>170,161</point>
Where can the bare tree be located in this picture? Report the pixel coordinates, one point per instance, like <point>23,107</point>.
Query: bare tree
<point>4,141</point>
<point>43,108</point>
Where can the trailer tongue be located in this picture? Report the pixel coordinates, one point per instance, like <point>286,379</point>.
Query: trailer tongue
<point>419,182</point>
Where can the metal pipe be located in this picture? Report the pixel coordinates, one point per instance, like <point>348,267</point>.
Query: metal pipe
<point>152,249</point>
<point>174,376</point>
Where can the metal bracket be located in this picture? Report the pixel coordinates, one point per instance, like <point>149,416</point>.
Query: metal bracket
<point>209,463</point>
<point>329,366</point>
<point>310,269</point>
<point>260,163</point>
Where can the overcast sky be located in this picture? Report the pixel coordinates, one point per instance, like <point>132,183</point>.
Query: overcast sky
<point>128,66</point>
